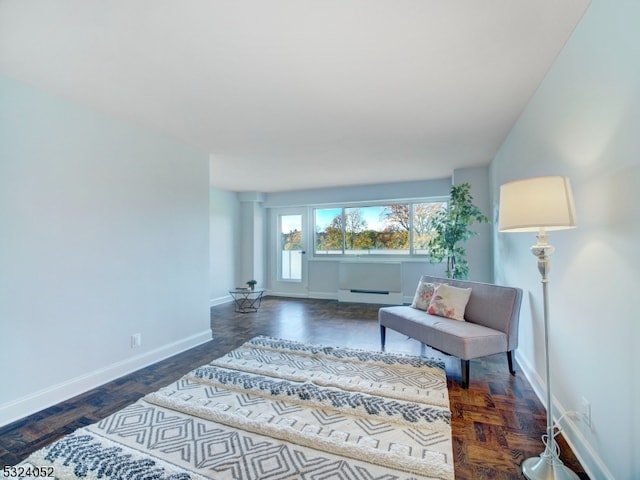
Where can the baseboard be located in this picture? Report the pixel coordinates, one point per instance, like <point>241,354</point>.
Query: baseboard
<point>316,295</point>
<point>220,300</point>
<point>287,294</point>
<point>323,295</point>
<point>35,402</point>
<point>583,450</point>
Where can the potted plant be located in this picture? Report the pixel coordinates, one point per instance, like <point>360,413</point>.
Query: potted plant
<point>252,284</point>
<point>450,229</point>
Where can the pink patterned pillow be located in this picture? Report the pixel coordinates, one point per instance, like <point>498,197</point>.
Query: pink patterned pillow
<point>423,295</point>
<point>450,302</point>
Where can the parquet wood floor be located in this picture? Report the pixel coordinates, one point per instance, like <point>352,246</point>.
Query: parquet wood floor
<point>496,423</point>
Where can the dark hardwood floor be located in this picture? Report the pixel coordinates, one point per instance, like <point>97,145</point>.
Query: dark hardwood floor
<point>496,423</point>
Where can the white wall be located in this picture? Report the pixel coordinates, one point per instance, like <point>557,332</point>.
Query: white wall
<point>480,246</point>
<point>360,193</point>
<point>104,233</point>
<point>584,122</point>
<point>224,232</point>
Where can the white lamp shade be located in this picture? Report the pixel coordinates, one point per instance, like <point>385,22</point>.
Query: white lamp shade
<point>537,203</point>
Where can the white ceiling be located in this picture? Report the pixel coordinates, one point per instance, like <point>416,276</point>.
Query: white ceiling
<point>297,94</point>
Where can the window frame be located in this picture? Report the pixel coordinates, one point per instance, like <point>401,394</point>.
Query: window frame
<point>371,254</point>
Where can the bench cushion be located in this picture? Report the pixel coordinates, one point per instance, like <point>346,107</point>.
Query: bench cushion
<point>492,306</point>
<point>464,340</point>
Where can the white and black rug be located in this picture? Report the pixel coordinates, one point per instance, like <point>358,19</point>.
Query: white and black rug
<point>275,409</point>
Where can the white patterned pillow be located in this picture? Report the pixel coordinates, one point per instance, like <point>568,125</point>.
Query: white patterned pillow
<point>423,295</point>
<point>450,302</point>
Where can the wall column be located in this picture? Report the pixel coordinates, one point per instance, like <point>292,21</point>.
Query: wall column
<point>252,238</point>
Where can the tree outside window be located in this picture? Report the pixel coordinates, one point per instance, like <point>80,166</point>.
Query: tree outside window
<point>394,229</point>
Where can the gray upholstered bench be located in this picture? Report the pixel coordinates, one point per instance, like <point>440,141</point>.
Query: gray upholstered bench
<point>490,326</point>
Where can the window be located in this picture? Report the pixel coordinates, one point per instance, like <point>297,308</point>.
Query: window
<point>393,229</point>
<point>329,236</point>
<point>421,234</point>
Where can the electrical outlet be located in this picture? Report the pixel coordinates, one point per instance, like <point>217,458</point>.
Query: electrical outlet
<point>585,412</point>
<point>136,340</point>
<point>574,415</point>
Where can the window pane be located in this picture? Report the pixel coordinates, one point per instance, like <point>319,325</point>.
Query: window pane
<point>421,234</point>
<point>328,231</point>
<point>374,230</point>
<point>393,229</point>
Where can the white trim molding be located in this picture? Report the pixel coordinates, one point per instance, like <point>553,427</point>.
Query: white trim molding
<point>35,402</point>
<point>583,450</point>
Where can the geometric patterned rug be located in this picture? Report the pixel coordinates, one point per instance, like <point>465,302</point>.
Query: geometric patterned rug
<point>273,409</point>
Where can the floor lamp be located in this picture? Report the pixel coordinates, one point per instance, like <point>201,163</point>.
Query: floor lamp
<point>539,205</point>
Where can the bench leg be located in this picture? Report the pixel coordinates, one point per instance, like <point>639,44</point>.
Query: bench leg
<point>510,361</point>
<point>464,370</point>
<point>383,336</point>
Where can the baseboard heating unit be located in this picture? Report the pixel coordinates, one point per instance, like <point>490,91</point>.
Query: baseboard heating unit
<point>370,282</point>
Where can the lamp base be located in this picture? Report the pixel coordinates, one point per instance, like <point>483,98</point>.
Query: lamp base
<point>546,468</point>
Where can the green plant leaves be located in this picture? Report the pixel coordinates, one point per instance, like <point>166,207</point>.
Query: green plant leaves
<point>450,228</point>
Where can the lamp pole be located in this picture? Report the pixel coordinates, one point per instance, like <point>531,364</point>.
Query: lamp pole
<point>548,465</point>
